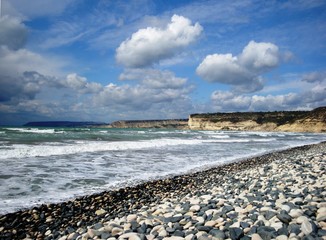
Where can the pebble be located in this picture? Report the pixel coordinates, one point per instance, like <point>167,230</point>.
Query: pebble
<point>256,236</point>
<point>100,212</point>
<point>321,216</point>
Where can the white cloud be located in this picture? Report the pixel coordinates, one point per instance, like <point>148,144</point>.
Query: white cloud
<point>154,78</point>
<point>242,71</point>
<point>81,84</point>
<point>226,101</point>
<point>307,99</point>
<point>259,57</point>
<point>150,45</point>
<point>13,33</point>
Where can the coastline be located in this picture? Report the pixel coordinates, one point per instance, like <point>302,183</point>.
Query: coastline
<point>70,219</point>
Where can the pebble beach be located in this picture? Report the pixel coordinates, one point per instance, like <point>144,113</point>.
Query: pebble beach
<point>280,195</point>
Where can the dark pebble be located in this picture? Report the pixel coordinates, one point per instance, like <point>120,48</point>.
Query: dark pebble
<point>204,228</point>
<point>227,209</point>
<point>321,232</point>
<point>179,233</point>
<point>269,214</point>
<point>142,228</point>
<point>219,234</point>
<point>245,238</point>
<point>244,225</point>
<point>309,237</point>
<point>294,228</point>
<point>284,217</point>
<point>253,230</point>
<point>105,235</point>
<point>283,231</point>
<point>236,233</point>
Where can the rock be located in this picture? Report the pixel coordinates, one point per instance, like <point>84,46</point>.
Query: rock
<point>227,209</point>
<point>256,236</point>
<point>218,234</point>
<point>72,236</point>
<point>194,208</point>
<point>321,216</point>
<point>97,226</point>
<point>286,208</point>
<point>92,233</point>
<point>116,231</point>
<point>163,233</point>
<point>322,232</point>
<point>105,235</point>
<point>235,233</point>
<point>301,219</point>
<point>204,228</point>
<point>244,225</point>
<point>294,228</point>
<point>189,237</point>
<point>295,213</point>
<point>306,227</point>
<point>131,217</point>
<point>284,217</point>
<point>281,237</point>
<point>210,223</point>
<point>100,212</point>
<point>130,236</point>
<point>179,233</point>
<point>173,238</point>
<point>269,214</point>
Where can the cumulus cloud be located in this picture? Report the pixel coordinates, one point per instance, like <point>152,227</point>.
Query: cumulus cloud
<point>259,57</point>
<point>244,71</point>
<point>150,45</point>
<point>154,78</point>
<point>307,99</point>
<point>13,33</point>
<point>138,96</point>
<point>81,84</point>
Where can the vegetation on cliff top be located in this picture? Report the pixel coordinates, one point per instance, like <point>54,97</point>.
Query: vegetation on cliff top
<point>277,117</point>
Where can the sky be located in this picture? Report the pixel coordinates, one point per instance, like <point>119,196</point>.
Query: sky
<point>103,60</point>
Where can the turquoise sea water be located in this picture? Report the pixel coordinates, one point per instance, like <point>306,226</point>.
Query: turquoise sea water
<point>42,165</point>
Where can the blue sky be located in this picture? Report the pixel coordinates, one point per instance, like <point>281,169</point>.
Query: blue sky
<point>93,60</point>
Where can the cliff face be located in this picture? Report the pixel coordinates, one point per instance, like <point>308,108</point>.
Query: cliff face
<point>286,121</point>
<point>296,121</point>
<point>173,123</point>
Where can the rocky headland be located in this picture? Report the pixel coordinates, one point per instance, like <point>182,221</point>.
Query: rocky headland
<point>284,121</point>
<point>280,195</point>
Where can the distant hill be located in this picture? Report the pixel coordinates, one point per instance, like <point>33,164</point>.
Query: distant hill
<point>61,124</point>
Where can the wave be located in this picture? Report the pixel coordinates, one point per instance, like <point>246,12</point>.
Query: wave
<point>34,130</point>
<point>51,149</point>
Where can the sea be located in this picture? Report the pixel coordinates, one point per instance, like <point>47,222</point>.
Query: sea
<point>49,165</point>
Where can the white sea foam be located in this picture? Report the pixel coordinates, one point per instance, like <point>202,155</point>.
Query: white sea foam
<point>50,149</point>
<point>34,130</point>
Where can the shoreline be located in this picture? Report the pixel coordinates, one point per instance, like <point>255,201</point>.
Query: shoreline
<point>52,221</point>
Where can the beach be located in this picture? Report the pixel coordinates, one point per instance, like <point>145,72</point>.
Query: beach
<point>280,195</point>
